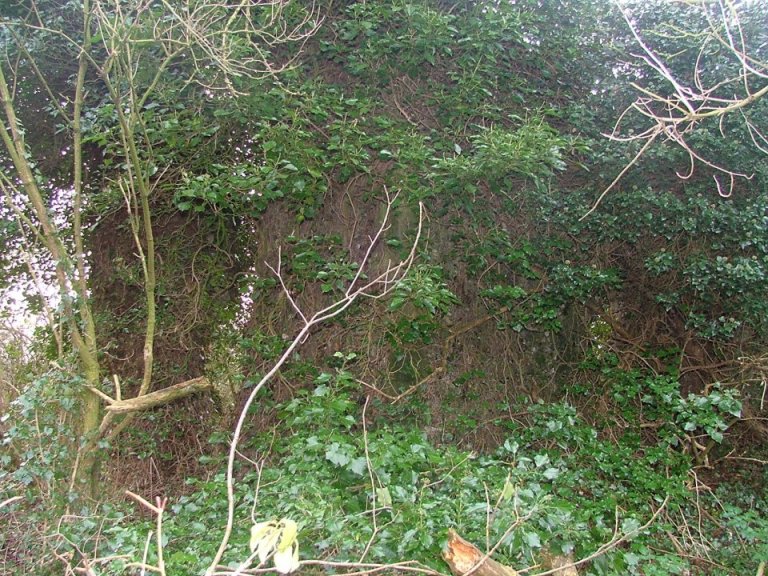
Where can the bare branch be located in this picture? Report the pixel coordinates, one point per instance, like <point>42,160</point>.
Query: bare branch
<point>617,539</point>
<point>278,272</point>
<point>678,115</point>
<point>376,288</point>
<point>234,39</point>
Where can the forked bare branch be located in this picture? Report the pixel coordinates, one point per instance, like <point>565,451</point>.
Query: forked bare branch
<point>157,509</point>
<point>378,287</point>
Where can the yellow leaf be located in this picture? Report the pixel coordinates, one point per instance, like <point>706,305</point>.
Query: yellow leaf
<point>259,530</point>
<point>264,537</point>
<point>289,530</point>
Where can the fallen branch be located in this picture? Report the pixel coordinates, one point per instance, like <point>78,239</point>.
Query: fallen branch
<point>157,509</point>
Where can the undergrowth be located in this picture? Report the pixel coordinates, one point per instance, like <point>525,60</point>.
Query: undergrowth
<point>364,490</point>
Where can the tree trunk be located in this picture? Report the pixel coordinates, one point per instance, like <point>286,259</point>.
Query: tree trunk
<point>85,480</point>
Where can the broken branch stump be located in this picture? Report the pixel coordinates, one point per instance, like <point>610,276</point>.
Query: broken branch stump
<point>463,556</point>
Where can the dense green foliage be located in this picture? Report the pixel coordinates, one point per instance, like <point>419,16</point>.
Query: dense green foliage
<point>543,381</point>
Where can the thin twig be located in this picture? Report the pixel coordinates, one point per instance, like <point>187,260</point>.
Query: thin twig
<point>613,543</point>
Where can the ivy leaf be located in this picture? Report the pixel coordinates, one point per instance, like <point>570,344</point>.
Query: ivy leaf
<point>532,539</point>
<point>336,455</point>
<point>358,466</point>
<point>551,473</point>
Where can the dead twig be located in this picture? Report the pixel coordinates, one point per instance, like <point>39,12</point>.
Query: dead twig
<point>679,114</point>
